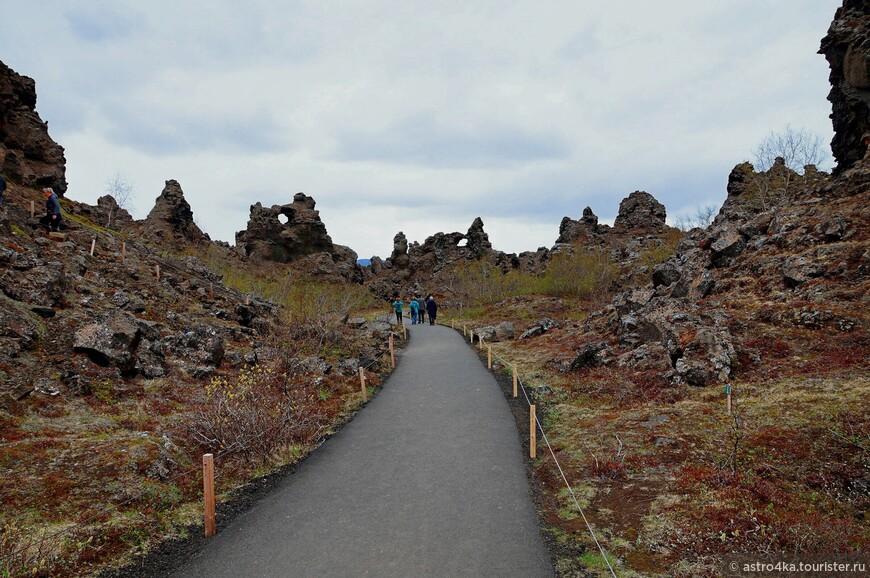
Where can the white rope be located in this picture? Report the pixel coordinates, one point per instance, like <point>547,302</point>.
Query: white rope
<point>562,473</point>
<point>567,483</point>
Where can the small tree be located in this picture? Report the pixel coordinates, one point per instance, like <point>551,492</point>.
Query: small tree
<point>120,189</point>
<point>798,148</point>
<point>794,150</point>
<point>702,218</point>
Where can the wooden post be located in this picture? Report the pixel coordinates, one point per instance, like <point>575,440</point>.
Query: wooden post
<point>247,298</point>
<point>123,250</point>
<point>728,394</point>
<point>480,341</point>
<point>533,433</point>
<point>489,356</point>
<point>405,332</point>
<point>32,209</point>
<point>515,379</point>
<point>471,337</point>
<point>392,352</point>
<point>362,383</point>
<point>93,245</point>
<point>208,494</point>
<point>157,271</point>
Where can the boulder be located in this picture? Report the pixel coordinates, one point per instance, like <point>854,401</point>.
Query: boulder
<point>665,274</point>
<point>111,341</point>
<point>201,345</point>
<point>44,284</point>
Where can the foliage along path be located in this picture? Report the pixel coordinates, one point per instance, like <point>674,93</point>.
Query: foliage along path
<point>428,480</point>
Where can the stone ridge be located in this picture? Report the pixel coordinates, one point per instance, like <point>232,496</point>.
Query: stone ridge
<point>28,155</point>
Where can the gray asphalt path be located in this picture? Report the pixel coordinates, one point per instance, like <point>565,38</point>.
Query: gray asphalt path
<point>428,480</point>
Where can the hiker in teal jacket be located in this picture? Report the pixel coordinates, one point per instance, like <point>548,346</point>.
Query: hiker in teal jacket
<point>397,305</point>
<point>415,309</point>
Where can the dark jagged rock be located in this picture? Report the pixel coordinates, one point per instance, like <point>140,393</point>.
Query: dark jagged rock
<point>640,211</point>
<point>28,155</point>
<point>294,233</point>
<point>478,240</point>
<point>171,222</point>
<point>847,49</point>
<point>581,229</point>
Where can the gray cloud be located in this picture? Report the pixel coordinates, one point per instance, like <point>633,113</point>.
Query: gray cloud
<point>421,140</point>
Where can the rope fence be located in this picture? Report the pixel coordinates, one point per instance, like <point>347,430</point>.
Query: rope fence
<point>535,424</point>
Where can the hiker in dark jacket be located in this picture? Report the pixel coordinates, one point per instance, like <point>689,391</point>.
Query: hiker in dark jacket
<point>53,217</point>
<point>431,309</point>
<point>421,310</point>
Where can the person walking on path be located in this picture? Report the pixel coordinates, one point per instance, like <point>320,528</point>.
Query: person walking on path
<point>431,309</point>
<point>53,218</point>
<point>421,309</point>
<point>397,305</point>
<point>415,309</point>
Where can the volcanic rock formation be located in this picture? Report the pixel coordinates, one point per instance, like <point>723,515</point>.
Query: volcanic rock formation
<point>845,47</point>
<point>294,233</point>
<point>28,156</point>
<point>171,220</point>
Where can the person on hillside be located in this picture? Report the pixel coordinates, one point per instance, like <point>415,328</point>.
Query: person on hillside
<point>431,309</point>
<point>2,189</point>
<point>414,305</point>
<point>397,305</point>
<point>53,219</point>
<point>421,310</point>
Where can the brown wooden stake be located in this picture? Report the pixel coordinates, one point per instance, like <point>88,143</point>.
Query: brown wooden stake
<point>248,299</point>
<point>452,325</point>
<point>32,209</point>
<point>515,379</point>
<point>392,352</point>
<point>533,433</point>
<point>405,332</point>
<point>208,494</point>
<point>728,396</point>
<point>362,383</point>
<point>489,357</point>
<point>480,341</point>
<point>157,271</point>
<point>471,337</point>
<point>93,245</point>
<point>123,251</point>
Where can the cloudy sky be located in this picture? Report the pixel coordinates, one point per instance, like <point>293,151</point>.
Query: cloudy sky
<point>419,116</point>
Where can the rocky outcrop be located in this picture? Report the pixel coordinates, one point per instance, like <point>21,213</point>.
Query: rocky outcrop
<point>847,49</point>
<point>581,229</point>
<point>639,214</point>
<point>640,211</point>
<point>28,155</point>
<point>294,233</point>
<point>170,222</point>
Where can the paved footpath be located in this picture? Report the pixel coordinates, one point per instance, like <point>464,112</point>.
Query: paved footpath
<point>427,480</point>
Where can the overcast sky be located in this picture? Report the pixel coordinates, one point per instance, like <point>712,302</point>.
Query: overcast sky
<point>419,116</point>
